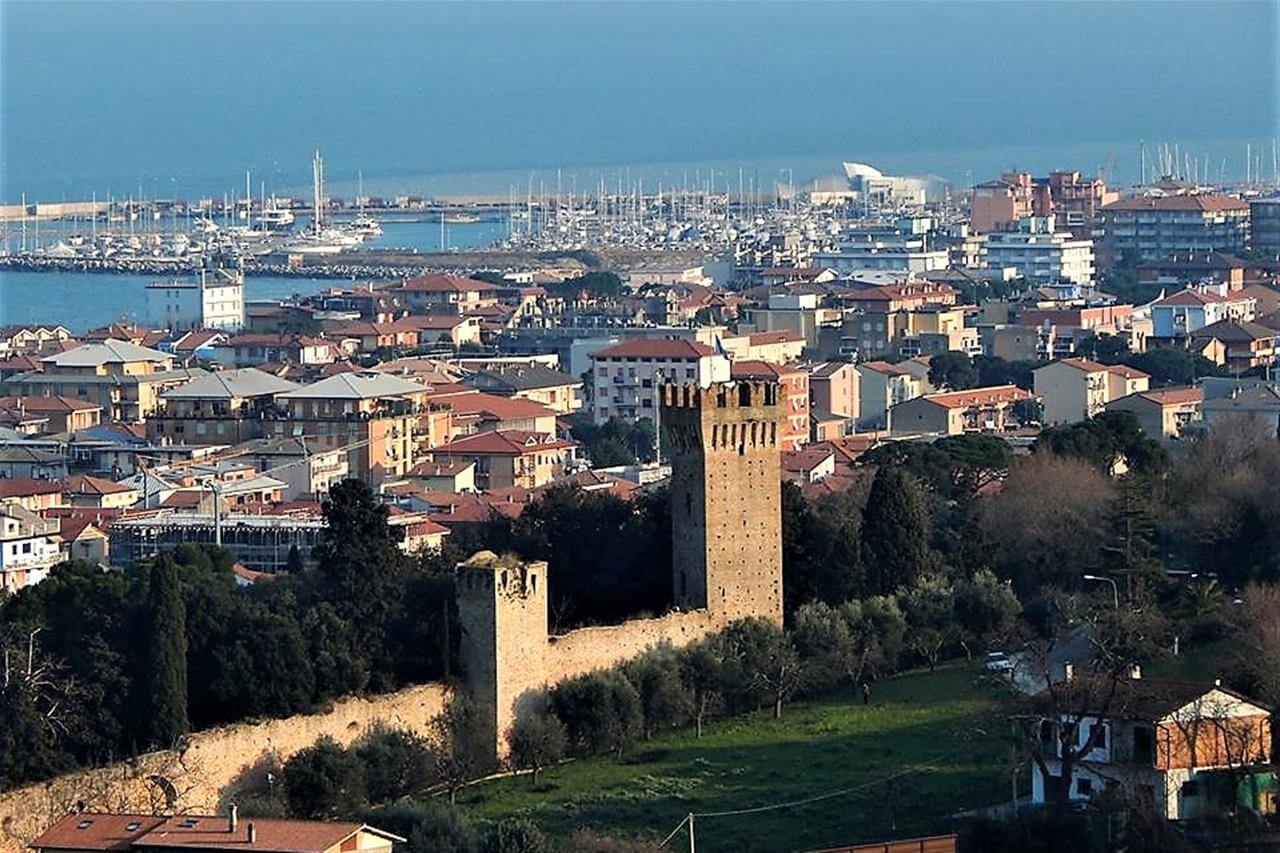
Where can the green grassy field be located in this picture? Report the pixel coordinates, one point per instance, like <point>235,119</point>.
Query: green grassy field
<point>930,744</point>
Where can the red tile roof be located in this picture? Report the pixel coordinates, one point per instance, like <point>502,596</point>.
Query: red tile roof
<point>89,831</point>
<point>21,487</point>
<point>656,348</point>
<point>1173,396</point>
<point>779,337</point>
<point>1193,297</point>
<point>502,442</point>
<point>1178,202</point>
<point>83,484</point>
<point>502,408</point>
<point>445,284</point>
<point>978,396</point>
<point>48,404</point>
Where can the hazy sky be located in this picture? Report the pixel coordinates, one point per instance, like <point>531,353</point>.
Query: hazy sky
<point>105,94</point>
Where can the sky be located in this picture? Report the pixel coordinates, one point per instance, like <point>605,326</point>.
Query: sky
<point>181,98</point>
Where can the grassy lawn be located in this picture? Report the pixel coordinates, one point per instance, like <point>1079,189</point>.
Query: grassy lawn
<point>930,744</point>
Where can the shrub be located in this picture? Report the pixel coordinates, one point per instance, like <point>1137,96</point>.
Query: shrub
<point>664,699</point>
<point>601,711</point>
<point>396,763</point>
<point>324,781</point>
<point>536,740</point>
<point>514,835</point>
<point>429,827</point>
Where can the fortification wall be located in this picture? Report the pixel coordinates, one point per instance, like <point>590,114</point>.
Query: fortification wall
<point>587,649</point>
<point>214,765</point>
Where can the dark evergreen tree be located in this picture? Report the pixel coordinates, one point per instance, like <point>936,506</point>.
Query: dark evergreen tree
<point>166,647</point>
<point>895,532</point>
<point>360,570</point>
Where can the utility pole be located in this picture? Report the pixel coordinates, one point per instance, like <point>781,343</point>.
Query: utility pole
<point>691,843</point>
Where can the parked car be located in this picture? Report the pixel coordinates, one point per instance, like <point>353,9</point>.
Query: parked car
<point>998,662</point>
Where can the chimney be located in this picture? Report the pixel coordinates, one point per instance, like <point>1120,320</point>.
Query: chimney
<point>251,833</point>
<point>233,818</point>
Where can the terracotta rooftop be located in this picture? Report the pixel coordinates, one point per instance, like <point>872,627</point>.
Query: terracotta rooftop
<point>1173,396</point>
<point>445,284</point>
<point>503,442</point>
<point>656,348</point>
<point>979,396</point>
<point>1177,202</point>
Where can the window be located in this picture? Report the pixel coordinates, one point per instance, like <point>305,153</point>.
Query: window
<point>1084,787</point>
<point>1191,788</point>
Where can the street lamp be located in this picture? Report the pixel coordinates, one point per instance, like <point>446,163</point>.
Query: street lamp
<point>1115,590</point>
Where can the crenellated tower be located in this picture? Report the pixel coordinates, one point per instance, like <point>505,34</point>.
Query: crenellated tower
<point>726,497</point>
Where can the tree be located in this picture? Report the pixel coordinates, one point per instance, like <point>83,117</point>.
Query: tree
<point>927,606</point>
<point>359,569</point>
<point>820,554</point>
<point>877,628</point>
<point>701,667</point>
<point>32,691</point>
<point>1258,636</point>
<point>825,643</point>
<point>396,763</point>
<point>1173,366</point>
<point>460,747</point>
<point>430,827</point>
<point>536,740</point>
<point>601,711</point>
<point>1104,440</point>
<point>985,610</point>
<point>764,655</point>
<point>664,701</point>
<point>166,638</point>
<point>324,781</point>
<point>1039,542</point>
<point>953,371</point>
<point>895,532</point>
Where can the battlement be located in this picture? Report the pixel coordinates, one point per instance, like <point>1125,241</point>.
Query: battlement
<point>485,574</point>
<point>723,396</point>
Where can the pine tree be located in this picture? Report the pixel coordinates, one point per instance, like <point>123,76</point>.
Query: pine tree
<point>895,532</point>
<point>166,638</point>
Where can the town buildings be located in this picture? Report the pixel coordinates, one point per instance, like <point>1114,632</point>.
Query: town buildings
<point>30,546</point>
<point>992,409</point>
<point>1076,389</point>
<point>222,407</point>
<point>626,376</point>
<point>1147,227</point>
<point>1163,412</point>
<point>1072,199</point>
<point>1179,746</point>
<point>1264,226</point>
<point>213,299</point>
<point>1040,253</point>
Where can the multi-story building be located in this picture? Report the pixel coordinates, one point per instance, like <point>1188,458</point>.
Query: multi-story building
<point>882,386</point>
<point>505,458</point>
<point>29,547</point>
<point>1147,227</point>
<point>445,294</point>
<point>373,416</point>
<point>1182,314</point>
<point>58,414</point>
<point>214,299</point>
<point>991,409</point>
<point>833,387</point>
<point>1264,226</point>
<point>793,397</point>
<point>1075,201</point>
<point>538,383</point>
<point>1040,253</point>
<point>259,541</point>
<point>1163,412</point>
<point>860,257</point>
<point>124,379</point>
<point>253,349</point>
<point>307,471</point>
<point>1243,344</point>
<point>223,407</point>
<point>626,376</point>
<point>1076,389</point>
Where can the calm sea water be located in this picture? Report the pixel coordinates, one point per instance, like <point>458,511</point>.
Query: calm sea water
<point>86,300</point>
<point>179,99</point>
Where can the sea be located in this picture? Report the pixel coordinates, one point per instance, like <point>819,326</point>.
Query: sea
<point>82,301</point>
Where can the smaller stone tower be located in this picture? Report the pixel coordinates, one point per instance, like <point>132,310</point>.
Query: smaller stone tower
<point>502,608</point>
<point>726,497</point>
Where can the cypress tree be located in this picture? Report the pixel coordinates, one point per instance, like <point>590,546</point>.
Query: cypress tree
<point>166,637</point>
<point>895,532</point>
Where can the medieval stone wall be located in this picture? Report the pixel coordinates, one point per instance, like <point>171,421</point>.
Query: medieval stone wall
<point>214,765</point>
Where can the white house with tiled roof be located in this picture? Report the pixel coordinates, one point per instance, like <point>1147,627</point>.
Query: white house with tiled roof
<point>625,376</point>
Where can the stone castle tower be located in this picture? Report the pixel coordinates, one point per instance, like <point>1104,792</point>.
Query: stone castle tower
<point>726,499</point>
<point>726,519</point>
<point>502,605</point>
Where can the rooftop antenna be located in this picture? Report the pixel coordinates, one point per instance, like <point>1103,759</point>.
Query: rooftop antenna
<point>1142,155</point>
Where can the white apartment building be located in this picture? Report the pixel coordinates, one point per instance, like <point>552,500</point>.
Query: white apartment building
<point>626,376</point>
<point>863,257</point>
<point>29,547</point>
<point>1040,254</point>
<point>214,299</point>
